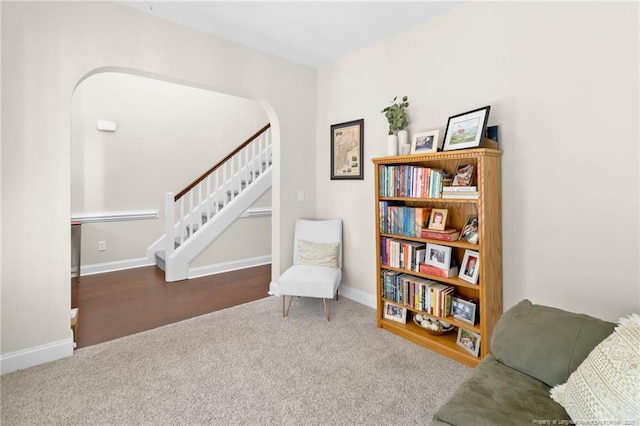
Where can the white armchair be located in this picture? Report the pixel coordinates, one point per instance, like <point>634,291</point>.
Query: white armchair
<point>317,264</point>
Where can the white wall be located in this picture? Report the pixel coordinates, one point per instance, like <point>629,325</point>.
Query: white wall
<point>167,136</point>
<point>47,49</point>
<point>562,82</point>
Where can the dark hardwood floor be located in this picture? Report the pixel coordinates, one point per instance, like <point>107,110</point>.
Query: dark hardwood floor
<point>121,303</point>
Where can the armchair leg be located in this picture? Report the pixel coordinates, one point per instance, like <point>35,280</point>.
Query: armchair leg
<point>327,309</point>
<point>286,312</point>
<point>337,294</point>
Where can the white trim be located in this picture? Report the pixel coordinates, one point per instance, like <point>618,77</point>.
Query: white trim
<point>100,268</point>
<point>256,211</point>
<point>218,268</point>
<point>115,216</point>
<point>36,355</point>
<point>358,296</point>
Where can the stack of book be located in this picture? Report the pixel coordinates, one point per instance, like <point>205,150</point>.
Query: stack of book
<point>446,235</point>
<point>439,272</point>
<point>465,192</point>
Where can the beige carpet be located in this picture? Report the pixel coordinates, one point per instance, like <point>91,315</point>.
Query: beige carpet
<point>241,366</point>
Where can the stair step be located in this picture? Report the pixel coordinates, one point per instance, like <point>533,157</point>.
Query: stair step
<point>161,259</point>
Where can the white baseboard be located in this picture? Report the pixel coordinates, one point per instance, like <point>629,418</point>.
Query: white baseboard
<point>218,268</point>
<point>100,268</point>
<point>37,355</point>
<point>201,271</point>
<point>358,296</point>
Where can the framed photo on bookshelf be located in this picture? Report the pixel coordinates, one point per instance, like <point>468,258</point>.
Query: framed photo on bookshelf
<point>470,232</point>
<point>466,130</point>
<point>438,256</point>
<point>463,310</point>
<point>470,266</point>
<point>438,219</point>
<point>464,175</point>
<point>347,150</point>
<point>425,142</point>
<point>395,313</point>
<point>469,341</point>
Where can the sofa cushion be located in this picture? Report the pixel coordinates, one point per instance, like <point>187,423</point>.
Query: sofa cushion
<point>498,395</point>
<point>544,342</point>
<point>606,386</point>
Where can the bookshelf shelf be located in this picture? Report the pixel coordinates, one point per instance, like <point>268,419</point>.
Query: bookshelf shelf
<point>487,293</point>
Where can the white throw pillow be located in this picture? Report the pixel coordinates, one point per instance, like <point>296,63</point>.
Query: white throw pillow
<point>606,386</point>
<point>319,254</point>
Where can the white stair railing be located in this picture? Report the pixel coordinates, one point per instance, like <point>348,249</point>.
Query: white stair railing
<point>194,208</point>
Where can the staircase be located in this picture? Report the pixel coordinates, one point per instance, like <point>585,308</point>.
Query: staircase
<point>197,215</point>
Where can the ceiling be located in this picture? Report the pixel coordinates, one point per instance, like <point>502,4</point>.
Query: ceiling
<point>311,33</point>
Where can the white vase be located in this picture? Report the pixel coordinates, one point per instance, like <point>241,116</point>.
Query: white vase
<point>403,142</point>
<point>403,137</point>
<point>392,145</point>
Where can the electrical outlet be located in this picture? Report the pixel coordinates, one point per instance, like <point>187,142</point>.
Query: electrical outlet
<point>300,195</point>
<point>102,246</point>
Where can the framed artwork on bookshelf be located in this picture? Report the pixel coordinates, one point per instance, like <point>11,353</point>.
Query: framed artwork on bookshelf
<point>438,219</point>
<point>469,341</point>
<point>470,266</point>
<point>438,256</point>
<point>395,313</point>
<point>347,150</point>
<point>470,232</point>
<point>464,175</point>
<point>466,130</point>
<point>463,310</point>
<point>425,142</point>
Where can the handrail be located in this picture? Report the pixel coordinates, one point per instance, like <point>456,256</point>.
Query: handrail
<point>220,163</point>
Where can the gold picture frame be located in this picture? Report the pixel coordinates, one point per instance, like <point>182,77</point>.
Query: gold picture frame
<point>425,142</point>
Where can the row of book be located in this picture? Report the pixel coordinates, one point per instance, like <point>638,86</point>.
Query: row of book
<point>417,293</point>
<point>410,181</point>
<point>402,254</point>
<point>403,220</point>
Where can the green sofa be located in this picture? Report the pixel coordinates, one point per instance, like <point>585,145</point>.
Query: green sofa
<point>533,348</point>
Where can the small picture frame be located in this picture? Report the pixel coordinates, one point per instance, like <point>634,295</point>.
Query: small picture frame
<point>464,175</point>
<point>438,256</point>
<point>463,310</point>
<point>395,313</point>
<point>469,341</point>
<point>466,130</point>
<point>470,266</point>
<point>438,219</point>
<point>471,230</point>
<point>425,142</point>
<point>347,150</point>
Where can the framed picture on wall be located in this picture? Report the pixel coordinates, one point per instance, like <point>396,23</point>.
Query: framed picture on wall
<point>347,150</point>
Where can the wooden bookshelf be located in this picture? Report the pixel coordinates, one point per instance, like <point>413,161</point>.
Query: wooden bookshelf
<point>488,290</point>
